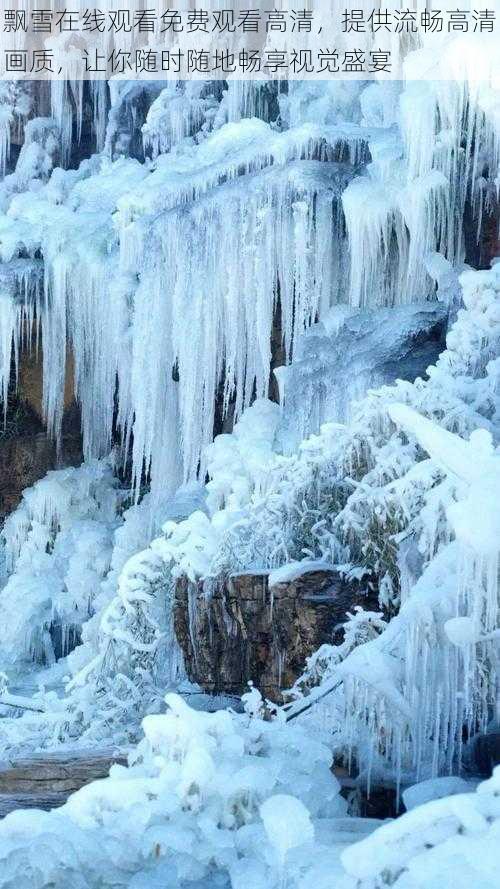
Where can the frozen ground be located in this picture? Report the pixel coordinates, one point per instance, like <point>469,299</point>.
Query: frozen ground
<point>218,800</point>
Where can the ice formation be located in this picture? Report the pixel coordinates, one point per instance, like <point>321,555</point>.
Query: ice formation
<point>219,230</point>
<point>87,612</point>
<point>218,800</point>
<point>118,259</point>
<point>58,546</point>
<point>447,842</point>
<point>437,662</point>
<point>242,216</point>
<point>202,802</point>
<point>423,532</point>
<point>361,496</point>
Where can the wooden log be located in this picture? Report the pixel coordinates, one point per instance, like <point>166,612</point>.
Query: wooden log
<point>56,773</point>
<point>19,703</point>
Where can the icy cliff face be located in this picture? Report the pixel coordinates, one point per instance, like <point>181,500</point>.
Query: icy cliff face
<point>217,230</point>
<point>58,550</point>
<point>254,207</point>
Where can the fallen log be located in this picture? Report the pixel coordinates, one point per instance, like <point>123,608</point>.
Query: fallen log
<point>56,773</point>
<point>20,703</point>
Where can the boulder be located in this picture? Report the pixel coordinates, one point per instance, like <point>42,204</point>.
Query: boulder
<point>242,627</point>
<point>486,752</point>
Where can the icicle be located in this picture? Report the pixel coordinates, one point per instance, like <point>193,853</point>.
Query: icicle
<point>179,111</point>
<point>376,263</point>
<point>66,102</point>
<point>99,95</point>
<point>62,112</point>
<point>5,132</point>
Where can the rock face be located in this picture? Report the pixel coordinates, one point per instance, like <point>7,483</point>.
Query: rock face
<point>239,628</point>
<point>26,452</point>
<point>486,752</point>
<point>23,460</point>
<point>339,359</point>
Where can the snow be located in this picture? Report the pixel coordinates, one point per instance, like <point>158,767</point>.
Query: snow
<point>58,549</point>
<point>451,841</point>
<point>476,521</point>
<point>223,800</point>
<point>238,463</point>
<point>461,630</point>
<point>434,788</point>
<point>289,573</point>
<point>221,229</point>
<point>287,823</point>
<point>202,800</point>
<point>404,672</point>
<point>92,614</point>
